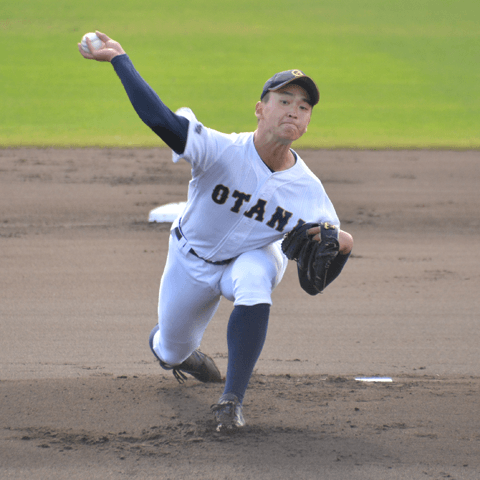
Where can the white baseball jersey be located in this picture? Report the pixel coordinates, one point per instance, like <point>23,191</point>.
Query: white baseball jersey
<point>235,202</point>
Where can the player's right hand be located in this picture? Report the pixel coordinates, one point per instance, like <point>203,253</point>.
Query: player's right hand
<point>109,49</point>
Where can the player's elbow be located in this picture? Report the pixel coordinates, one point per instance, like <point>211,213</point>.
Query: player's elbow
<point>346,242</point>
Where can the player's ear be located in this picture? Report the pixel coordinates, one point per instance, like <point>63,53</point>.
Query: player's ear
<point>259,110</point>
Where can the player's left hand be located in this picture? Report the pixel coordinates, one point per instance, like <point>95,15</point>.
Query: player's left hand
<point>316,232</point>
<point>109,49</point>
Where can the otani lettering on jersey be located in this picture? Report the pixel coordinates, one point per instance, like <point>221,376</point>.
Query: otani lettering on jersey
<point>235,202</point>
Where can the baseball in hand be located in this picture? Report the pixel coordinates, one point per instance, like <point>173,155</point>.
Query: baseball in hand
<point>96,42</point>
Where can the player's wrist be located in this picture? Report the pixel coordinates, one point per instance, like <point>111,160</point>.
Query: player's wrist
<point>114,57</point>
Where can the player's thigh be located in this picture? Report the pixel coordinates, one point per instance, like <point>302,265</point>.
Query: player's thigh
<point>253,276</point>
<point>186,301</point>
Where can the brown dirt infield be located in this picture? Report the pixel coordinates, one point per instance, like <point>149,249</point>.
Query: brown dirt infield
<point>82,398</point>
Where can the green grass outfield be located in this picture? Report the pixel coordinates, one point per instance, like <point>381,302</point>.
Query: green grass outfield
<point>392,73</point>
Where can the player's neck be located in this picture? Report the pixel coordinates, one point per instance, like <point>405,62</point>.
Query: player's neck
<point>277,156</point>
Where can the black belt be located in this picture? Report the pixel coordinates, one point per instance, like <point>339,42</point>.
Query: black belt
<point>179,235</point>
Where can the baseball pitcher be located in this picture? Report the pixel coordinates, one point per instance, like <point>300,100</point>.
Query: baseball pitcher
<point>252,204</point>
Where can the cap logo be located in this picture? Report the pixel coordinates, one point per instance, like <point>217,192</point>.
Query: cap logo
<point>297,73</point>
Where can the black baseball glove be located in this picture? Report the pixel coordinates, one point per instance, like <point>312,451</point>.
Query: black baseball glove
<point>313,258</point>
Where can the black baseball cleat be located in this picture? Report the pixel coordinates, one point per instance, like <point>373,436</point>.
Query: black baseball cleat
<point>228,413</point>
<point>198,365</point>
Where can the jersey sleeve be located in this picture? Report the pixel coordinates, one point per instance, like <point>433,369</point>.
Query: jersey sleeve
<point>311,193</point>
<point>204,145</point>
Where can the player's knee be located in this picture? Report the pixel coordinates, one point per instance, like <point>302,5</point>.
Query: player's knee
<point>346,242</point>
<point>256,276</point>
<point>174,353</point>
<point>254,283</point>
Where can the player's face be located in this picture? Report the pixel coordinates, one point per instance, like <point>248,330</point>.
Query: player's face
<point>286,115</point>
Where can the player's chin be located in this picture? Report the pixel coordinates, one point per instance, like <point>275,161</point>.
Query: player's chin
<point>288,135</point>
<point>291,133</point>
<point>290,138</point>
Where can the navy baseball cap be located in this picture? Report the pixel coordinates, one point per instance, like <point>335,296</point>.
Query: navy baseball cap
<point>296,77</point>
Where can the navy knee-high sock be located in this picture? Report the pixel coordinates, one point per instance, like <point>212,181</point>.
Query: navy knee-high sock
<point>246,334</point>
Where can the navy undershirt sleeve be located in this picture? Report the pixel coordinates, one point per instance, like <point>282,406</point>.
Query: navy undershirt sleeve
<point>170,127</point>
